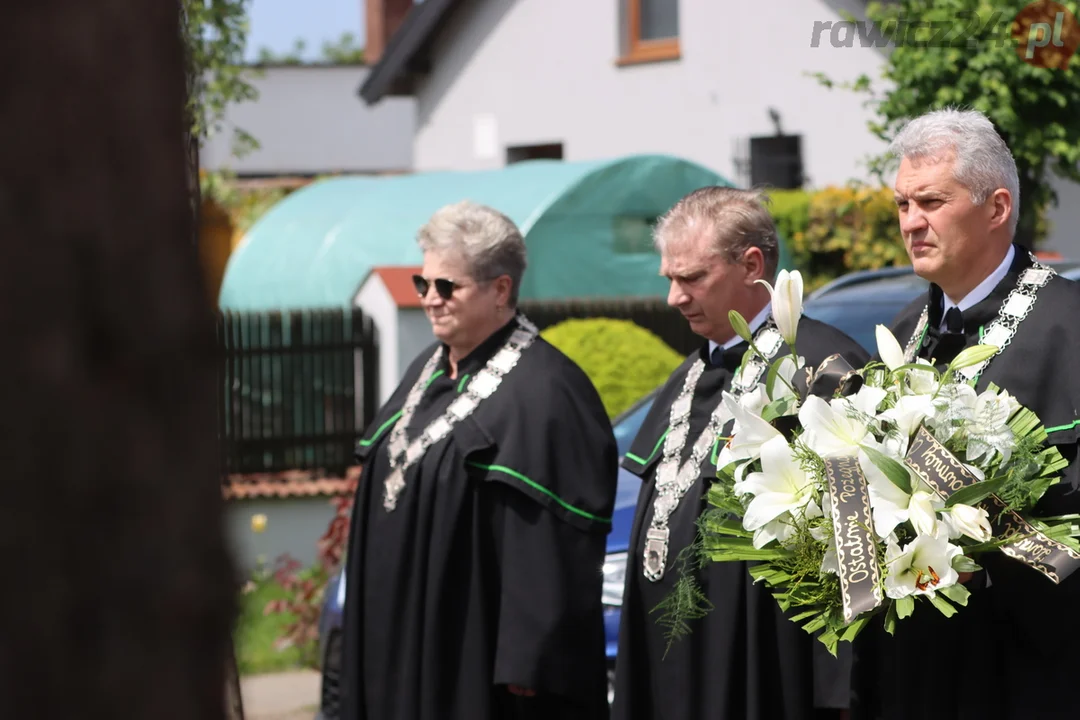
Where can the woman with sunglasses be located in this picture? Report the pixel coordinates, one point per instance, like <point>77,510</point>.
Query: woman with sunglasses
<point>473,583</point>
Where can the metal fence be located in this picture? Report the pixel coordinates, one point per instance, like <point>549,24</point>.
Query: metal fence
<point>297,388</point>
<point>653,314</point>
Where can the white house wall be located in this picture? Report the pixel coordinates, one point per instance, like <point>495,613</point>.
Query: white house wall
<point>309,120</point>
<point>374,299</point>
<point>522,72</point>
<point>294,526</point>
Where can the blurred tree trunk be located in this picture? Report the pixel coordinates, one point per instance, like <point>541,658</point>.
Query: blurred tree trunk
<point>194,189</point>
<point>120,591</point>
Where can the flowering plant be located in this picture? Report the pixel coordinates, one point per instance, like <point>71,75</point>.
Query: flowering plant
<point>859,491</point>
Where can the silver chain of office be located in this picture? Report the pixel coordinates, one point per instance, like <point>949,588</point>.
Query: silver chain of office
<point>404,454</point>
<point>999,333</point>
<point>673,481</point>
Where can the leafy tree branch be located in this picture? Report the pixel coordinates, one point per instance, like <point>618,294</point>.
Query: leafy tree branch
<point>971,54</point>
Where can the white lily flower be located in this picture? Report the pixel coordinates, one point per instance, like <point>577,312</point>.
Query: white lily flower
<point>865,402</point>
<point>780,488</point>
<point>892,507</point>
<point>749,433</point>
<point>922,512</point>
<point>908,414</point>
<point>963,519</point>
<point>755,400</point>
<point>787,303</point>
<point>830,431</point>
<point>921,567</point>
<point>888,348</point>
<point>922,382</point>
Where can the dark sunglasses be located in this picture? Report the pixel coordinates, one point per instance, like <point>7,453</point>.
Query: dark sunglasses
<point>443,286</point>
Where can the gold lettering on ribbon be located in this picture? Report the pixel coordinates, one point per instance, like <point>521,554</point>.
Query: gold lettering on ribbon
<point>856,551</point>
<point>947,475</point>
<point>1031,547</point>
<point>937,466</point>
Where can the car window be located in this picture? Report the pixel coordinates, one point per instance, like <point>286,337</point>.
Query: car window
<point>628,425</point>
<point>856,319</point>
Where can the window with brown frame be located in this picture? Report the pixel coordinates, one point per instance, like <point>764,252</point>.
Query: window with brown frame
<point>650,31</point>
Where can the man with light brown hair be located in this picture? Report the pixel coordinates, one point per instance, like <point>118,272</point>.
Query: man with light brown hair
<point>744,659</point>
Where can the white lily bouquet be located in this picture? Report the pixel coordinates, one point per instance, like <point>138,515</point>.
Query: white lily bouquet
<point>860,491</point>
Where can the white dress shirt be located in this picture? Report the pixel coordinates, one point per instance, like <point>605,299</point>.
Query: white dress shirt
<point>982,290</point>
<point>754,324</point>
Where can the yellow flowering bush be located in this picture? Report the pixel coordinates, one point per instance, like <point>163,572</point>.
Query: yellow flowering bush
<point>837,230</point>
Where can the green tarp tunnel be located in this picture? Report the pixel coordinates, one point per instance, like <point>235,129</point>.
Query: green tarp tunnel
<point>586,225</point>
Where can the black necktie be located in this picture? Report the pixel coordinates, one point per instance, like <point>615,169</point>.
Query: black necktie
<point>729,358</point>
<point>954,321</point>
<point>946,344</point>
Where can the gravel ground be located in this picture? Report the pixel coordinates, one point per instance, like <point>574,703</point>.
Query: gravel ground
<point>281,696</point>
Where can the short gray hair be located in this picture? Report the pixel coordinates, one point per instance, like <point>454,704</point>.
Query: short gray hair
<point>737,220</point>
<point>983,160</point>
<point>489,242</point>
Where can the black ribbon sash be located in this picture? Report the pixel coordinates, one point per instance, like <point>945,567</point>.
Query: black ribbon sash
<point>856,551</point>
<point>832,375</point>
<point>946,475</point>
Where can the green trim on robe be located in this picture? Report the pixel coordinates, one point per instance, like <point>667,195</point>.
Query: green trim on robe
<point>382,428</point>
<point>537,486</point>
<point>394,418</point>
<point>647,460</point>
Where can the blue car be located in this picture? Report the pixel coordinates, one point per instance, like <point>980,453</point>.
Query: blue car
<point>855,304</point>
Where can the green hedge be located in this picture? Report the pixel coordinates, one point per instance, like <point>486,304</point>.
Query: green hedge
<point>624,361</point>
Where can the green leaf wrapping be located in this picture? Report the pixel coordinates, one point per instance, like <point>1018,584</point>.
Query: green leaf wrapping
<point>891,619</point>
<point>957,593</point>
<point>962,563</point>
<point>898,474</point>
<point>905,606</point>
<point>943,605</point>
<point>976,493</point>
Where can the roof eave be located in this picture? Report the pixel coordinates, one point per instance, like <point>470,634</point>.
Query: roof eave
<point>388,74</point>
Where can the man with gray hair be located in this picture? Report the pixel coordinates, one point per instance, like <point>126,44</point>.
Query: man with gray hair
<point>1010,653</point>
<point>473,584</point>
<point>744,659</point>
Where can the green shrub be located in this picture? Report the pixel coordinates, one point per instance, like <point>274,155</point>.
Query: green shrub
<point>624,361</point>
<point>851,228</point>
<point>790,210</point>
<point>837,230</point>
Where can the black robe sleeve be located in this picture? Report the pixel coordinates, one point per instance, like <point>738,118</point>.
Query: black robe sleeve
<point>550,476</point>
<point>549,639</point>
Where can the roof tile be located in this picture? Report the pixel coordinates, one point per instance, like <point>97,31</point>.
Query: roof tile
<point>289,483</point>
<point>398,282</point>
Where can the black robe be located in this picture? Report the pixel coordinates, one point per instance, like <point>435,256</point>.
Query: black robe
<point>488,572</point>
<point>744,659</point>
<point>1011,652</point>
